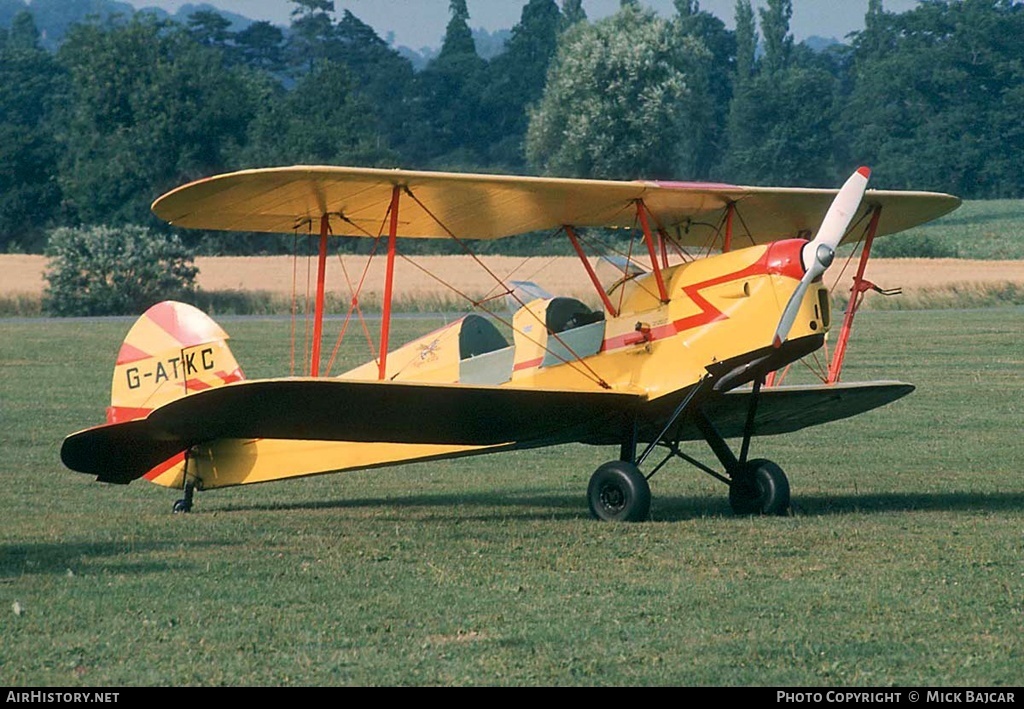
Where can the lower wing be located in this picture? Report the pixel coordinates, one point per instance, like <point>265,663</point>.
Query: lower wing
<point>398,412</point>
<point>346,410</point>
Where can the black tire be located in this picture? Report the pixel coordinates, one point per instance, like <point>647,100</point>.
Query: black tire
<point>618,492</point>
<point>762,489</point>
<point>182,506</point>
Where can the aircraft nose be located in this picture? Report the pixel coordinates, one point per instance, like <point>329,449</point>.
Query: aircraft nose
<point>784,258</point>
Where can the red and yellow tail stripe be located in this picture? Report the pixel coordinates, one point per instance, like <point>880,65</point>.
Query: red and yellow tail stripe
<point>172,350</point>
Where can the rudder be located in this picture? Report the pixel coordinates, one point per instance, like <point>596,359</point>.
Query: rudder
<point>173,349</point>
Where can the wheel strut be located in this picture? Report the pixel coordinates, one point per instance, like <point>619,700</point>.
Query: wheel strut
<point>185,503</point>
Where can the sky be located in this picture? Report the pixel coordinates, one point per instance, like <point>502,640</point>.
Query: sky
<point>421,23</point>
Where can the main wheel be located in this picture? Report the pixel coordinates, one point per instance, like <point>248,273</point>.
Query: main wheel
<point>618,492</point>
<point>762,489</point>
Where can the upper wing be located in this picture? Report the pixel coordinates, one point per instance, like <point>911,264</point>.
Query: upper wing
<point>471,206</point>
<point>346,410</point>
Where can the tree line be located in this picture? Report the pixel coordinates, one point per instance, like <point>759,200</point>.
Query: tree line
<point>127,108</point>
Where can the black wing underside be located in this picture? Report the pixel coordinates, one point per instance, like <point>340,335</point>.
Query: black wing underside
<point>395,412</point>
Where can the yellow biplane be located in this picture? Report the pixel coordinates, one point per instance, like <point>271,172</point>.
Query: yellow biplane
<point>684,349</point>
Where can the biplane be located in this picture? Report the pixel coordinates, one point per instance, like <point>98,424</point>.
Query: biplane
<point>679,349</point>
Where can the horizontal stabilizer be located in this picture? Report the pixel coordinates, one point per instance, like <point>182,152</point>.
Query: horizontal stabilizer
<point>119,452</point>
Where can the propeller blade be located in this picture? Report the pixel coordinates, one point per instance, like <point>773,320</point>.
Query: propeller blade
<point>840,214</point>
<point>817,255</point>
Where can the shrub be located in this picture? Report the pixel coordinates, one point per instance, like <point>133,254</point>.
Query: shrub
<point>102,270</point>
<point>913,245</point>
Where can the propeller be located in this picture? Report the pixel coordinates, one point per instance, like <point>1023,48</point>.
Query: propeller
<point>817,255</point>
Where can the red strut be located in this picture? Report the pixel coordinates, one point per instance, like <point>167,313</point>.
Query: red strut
<point>389,281</point>
<point>856,294</point>
<point>318,306</point>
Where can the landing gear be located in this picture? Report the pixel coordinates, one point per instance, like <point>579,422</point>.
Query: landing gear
<point>760,488</point>
<point>185,504</point>
<point>618,492</point>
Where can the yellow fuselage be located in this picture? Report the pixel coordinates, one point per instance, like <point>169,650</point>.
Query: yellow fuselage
<point>716,309</point>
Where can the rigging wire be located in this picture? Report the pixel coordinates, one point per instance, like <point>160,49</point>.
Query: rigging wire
<point>592,374</point>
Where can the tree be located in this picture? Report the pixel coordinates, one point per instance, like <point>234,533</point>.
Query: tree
<point>746,41</point>
<point>780,127</point>
<point>620,100</point>
<point>517,79</point>
<point>382,77</point>
<point>104,271</point>
<point>31,86</point>
<point>210,28</point>
<point>709,145</point>
<point>450,120</point>
<point>573,12</point>
<point>458,38</point>
<point>778,42</point>
<point>312,31</point>
<point>937,96</point>
<point>322,120</point>
<point>261,46</point>
<point>149,108</point>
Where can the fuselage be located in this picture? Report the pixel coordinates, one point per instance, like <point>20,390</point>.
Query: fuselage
<point>717,309</point>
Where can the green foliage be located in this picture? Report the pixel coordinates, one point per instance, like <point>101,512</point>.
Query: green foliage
<point>937,96</point>
<point>516,80</point>
<point>383,80</point>
<point>778,42</point>
<point>915,245</point>
<point>450,131</point>
<point>105,271</point>
<point>323,120</point>
<point>458,39</point>
<point>707,127</point>
<point>311,34</point>
<point>130,107</point>
<point>780,129</point>
<point>619,100</point>
<point>31,85</point>
<point>573,12</point>
<point>780,124</point>
<point>260,46</point>
<point>149,109</point>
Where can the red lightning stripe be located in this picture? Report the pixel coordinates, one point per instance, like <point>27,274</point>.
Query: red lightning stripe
<point>707,315</point>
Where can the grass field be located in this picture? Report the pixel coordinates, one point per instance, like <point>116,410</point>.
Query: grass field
<point>979,229</point>
<point>902,564</point>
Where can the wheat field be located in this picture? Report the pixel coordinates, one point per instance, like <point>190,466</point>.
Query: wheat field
<point>424,277</point>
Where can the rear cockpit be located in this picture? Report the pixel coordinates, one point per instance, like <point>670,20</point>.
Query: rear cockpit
<point>551,331</point>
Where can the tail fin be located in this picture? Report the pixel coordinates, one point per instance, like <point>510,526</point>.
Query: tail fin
<point>172,350</point>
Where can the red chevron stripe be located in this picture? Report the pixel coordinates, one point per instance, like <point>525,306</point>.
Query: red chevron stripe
<point>120,414</point>
<point>130,353</point>
<point>165,466</point>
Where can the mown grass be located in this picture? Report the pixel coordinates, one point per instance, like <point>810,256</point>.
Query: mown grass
<point>901,565</point>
